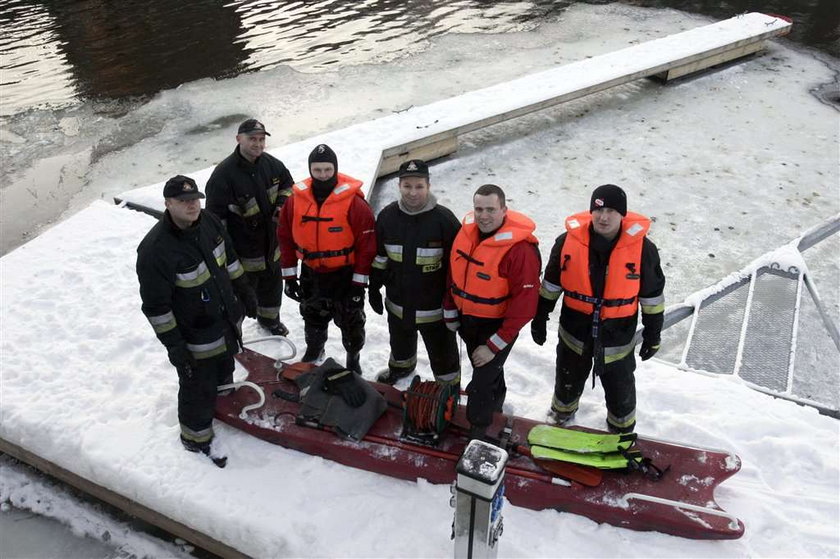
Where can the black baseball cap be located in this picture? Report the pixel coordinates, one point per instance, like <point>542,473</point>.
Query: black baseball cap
<point>414,168</point>
<point>252,126</point>
<point>182,188</point>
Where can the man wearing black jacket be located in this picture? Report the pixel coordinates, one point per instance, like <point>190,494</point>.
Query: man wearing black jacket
<point>607,268</point>
<point>414,237</point>
<point>246,191</point>
<point>193,289</point>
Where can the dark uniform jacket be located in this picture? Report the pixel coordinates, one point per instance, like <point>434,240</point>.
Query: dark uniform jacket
<point>186,284</point>
<point>412,260</point>
<point>614,332</point>
<point>247,197</point>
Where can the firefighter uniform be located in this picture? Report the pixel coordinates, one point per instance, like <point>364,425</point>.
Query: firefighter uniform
<point>412,262</point>
<point>494,283</point>
<point>603,285</point>
<point>188,284</point>
<point>247,197</point>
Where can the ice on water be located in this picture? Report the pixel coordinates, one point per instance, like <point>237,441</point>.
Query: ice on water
<point>730,165</point>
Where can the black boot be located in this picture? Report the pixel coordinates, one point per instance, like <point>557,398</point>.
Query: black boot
<point>275,327</point>
<point>391,376</point>
<point>205,449</point>
<point>559,417</point>
<point>620,429</point>
<point>313,354</point>
<point>353,362</point>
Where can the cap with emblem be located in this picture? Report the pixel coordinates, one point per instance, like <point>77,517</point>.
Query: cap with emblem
<point>252,126</point>
<point>414,168</point>
<point>609,196</point>
<point>182,188</point>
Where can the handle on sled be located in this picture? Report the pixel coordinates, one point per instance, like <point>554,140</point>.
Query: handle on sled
<point>282,340</point>
<point>234,385</point>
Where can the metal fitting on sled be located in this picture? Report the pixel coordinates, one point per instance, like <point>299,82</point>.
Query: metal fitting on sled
<point>479,489</point>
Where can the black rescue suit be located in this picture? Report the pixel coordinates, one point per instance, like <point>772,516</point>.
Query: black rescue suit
<point>247,197</point>
<point>187,286</point>
<point>412,262</point>
<point>604,284</point>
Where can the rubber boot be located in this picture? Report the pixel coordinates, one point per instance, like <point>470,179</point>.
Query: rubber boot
<point>205,449</point>
<point>353,362</point>
<point>391,376</point>
<point>559,417</point>
<point>620,430</point>
<point>275,327</point>
<point>313,354</point>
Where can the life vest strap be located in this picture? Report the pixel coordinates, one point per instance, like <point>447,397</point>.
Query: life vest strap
<point>598,301</point>
<point>469,258</point>
<point>307,255</point>
<point>308,218</point>
<point>476,299</point>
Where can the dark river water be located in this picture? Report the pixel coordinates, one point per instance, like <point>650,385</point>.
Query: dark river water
<point>61,52</point>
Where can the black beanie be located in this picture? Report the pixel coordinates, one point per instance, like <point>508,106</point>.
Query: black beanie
<point>609,196</point>
<point>323,154</point>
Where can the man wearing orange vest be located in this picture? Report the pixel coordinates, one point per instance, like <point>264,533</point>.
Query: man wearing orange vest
<point>495,273</point>
<point>329,227</point>
<point>607,268</point>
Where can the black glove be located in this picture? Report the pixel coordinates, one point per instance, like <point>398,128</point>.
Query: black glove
<point>648,350</point>
<point>538,329</point>
<point>292,290</point>
<point>356,296</point>
<point>344,383</point>
<point>182,360</point>
<point>375,299</point>
<point>249,301</point>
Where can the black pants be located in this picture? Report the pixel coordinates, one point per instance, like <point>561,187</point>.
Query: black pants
<point>440,345</point>
<point>487,389</point>
<point>325,298</point>
<point>268,286</point>
<point>197,396</point>
<point>619,382</point>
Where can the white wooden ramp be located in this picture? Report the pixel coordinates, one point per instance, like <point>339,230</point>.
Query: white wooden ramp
<point>375,148</point>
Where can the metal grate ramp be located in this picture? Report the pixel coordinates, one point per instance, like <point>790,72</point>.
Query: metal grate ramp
<point>769,332</point>
<point>768,327</point>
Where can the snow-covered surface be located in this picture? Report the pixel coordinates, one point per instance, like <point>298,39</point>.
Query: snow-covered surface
<point>731,165</point>
<point>98,533</point>
<point>360,157</point>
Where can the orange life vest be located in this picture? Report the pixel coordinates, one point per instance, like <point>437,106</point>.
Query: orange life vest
<point>477,287</point>
<point>323,237</point>
<point>621,286</point>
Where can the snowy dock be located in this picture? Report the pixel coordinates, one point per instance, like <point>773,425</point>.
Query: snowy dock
<point>432,131</point>
<point>88,388</point>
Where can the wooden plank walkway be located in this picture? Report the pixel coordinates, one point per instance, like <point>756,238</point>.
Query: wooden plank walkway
<point>376,148</point>
<point>121,502</point>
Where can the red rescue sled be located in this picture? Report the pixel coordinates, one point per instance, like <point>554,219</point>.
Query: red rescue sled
<point>681,503</point>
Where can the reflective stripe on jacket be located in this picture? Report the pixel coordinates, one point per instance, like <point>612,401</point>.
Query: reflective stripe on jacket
<point>477,287</point>
<point>186,286</point>
<point>323,236</point>
<point>413,260</point>
<point>621,286</point>
<point>247,196</point>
